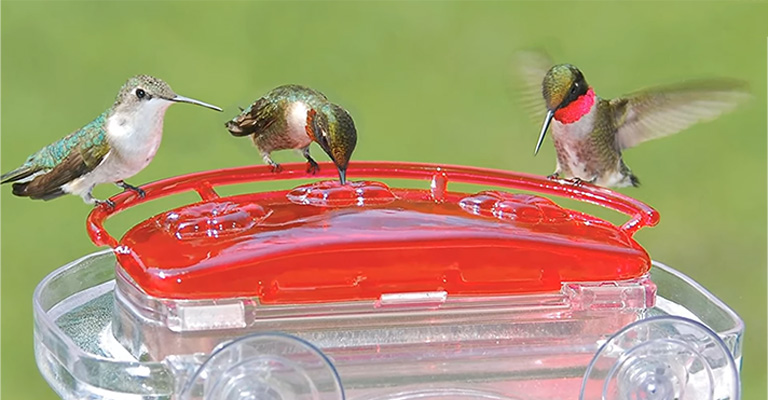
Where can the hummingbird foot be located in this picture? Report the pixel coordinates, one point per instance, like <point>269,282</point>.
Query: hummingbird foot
<point>89,199</point>
<point>125,186</point>
<point>554,176</point>
<point>276,168</point>
<point>576,182</point>
<point>109,203</point>
<point>312,166</point>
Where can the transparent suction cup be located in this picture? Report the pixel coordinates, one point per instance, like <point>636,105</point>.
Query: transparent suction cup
<point>444,394</point>
<point>662,358</point>
<point>266,367</point>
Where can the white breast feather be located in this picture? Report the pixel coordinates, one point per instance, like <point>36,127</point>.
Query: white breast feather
<point>133,140</point>
<point>571,137</point>
<point>297,122</point>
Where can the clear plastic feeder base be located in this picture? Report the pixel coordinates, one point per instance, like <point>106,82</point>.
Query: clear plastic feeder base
<point>686,346</point>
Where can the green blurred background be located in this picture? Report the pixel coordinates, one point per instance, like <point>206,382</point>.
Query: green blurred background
<point>425,81</point>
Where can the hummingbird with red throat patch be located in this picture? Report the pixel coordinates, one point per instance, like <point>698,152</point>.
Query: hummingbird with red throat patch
<point>590,133</point>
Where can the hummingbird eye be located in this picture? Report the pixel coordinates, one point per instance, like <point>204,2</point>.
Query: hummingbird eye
<point>140,93</point>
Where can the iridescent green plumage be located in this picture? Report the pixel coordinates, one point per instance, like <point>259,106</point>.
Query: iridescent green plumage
<point>557,82</point>
<point>267,119</point>
<point>590,133</point>
<point>116,145</point>
<point>291,117</point>
<point>75,154</point>
<point>270,104</point>
<point>91,135</point>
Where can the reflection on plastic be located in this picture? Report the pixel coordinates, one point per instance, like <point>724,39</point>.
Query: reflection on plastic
<point>516,207</point>
<point>334,194</point>
<point>214,220</point>
<point>662,358</point>
<point>325,242</point>
<point>271,366</point>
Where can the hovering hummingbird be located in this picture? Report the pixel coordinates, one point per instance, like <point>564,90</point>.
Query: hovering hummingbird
<point>590,133</point>
<point>113,147</point>
<point>292,117</point>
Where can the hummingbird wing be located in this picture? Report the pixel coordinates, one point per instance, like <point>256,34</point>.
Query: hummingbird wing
<point>662,111</point>
<point>530,67</point>
<point>63,161</point>
<point>256,119</point>
<point>79,162</point>
<point>25,171</point>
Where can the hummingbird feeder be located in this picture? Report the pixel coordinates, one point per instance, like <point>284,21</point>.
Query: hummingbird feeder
<point>367,291</point>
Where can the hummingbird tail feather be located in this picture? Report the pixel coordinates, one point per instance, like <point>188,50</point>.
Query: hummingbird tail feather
<point>51,195</point>
<point>48,185</point>
<point>634,180</point>
<point>21,189</point>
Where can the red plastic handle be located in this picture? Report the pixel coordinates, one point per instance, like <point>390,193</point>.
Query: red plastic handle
<point>439,176</point>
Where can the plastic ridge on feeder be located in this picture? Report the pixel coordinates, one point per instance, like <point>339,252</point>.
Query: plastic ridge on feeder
<point>272,245</point>
<point>204,184</point>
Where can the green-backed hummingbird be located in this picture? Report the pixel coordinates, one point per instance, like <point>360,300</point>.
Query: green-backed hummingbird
<point>113,147</point>
<point>292,117</point>
<point>590,133</point>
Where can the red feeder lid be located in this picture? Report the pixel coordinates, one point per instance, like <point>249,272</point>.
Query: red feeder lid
<point>325,242</point>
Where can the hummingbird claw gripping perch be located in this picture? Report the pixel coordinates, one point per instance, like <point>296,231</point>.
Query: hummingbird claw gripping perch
<point>312,167</point>
<point>126,186</point>
<point>276,168</point>
<point>577,182</point>
<point>107,203</point>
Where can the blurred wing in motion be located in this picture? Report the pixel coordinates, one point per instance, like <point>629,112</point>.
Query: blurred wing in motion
<point>662,111</point>
<point>529,70</point>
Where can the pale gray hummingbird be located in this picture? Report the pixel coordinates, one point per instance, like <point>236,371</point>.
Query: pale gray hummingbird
<point>590,133</point>
<point>113,147</point>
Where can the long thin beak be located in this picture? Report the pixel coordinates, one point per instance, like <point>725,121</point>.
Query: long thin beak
<point>182,99</point>
<point>543,133</point>
<point>343,176</point>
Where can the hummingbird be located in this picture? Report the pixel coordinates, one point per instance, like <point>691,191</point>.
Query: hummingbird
<point>590,133</point>
<point>115,146</point>
<point>292,117</point>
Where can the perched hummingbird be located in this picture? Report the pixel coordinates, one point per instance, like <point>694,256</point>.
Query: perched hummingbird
<point>292,117</point>
<point>113,147</point>
<point>590,133</point>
